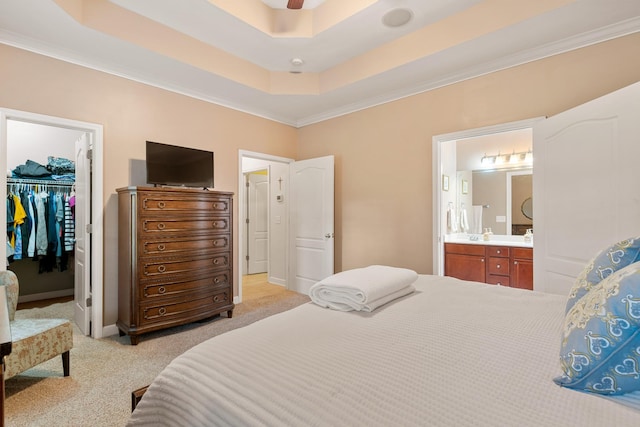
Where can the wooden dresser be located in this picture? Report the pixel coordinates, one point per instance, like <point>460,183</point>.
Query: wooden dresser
<point>174,257</point>
<point>499,265</point>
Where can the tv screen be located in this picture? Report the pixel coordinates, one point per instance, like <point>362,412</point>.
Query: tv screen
<point>179,166</point>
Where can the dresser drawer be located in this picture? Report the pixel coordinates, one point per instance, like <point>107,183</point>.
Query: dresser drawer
<point>193,246</point>
<point>161,202</point>
<point>187,286</point>
<point>498,266</point>
<point>165,267</point>
<point>170,310</point>
<point>166,227</point>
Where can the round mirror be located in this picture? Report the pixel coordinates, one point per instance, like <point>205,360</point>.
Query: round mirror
<point>527,208</point>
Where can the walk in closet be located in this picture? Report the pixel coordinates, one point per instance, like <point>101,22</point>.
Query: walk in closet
<point>40,203</point>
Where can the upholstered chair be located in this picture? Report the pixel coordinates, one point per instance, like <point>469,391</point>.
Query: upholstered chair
<point>34,340</point>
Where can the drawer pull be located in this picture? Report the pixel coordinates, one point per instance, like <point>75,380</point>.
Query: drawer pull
<point>162,311</point>
<point>482,260</point>
<point>215,224</point>
<point>162,290</point>
<point>499,251</point>
<point>162,268</point>
<point>217,298</point>
<point>216,261</point>
<point>515,262</point>
<point>161,226</point>
<point>497,265</point>
<point>161,247</point>
<point>216,280</point>
<point>215,243</point>
<point>161,205</point>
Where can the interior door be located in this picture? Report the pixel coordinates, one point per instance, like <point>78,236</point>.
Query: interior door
<point>312,222</point>
<point>585,185</point>
<point>258,223</point>
<point>82,283</point>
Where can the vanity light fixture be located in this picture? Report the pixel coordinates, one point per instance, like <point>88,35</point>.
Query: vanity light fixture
<point>512,159</point>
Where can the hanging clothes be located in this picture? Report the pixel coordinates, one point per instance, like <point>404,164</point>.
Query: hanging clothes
<point>40,224</point>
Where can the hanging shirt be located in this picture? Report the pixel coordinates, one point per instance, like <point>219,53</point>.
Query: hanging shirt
<point>19,216</point>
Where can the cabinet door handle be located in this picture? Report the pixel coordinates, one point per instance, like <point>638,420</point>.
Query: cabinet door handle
<point>481,259</point>
<point>515,262</point>
<point>497,265</point>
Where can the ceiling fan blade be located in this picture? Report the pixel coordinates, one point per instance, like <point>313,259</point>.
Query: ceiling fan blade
<point>295,4</point>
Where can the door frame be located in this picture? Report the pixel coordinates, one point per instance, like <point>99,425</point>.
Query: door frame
<point>437,161</point>
<point>244,154</point>
<point>97,208</point>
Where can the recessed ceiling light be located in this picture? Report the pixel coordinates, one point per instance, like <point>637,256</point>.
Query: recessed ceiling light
<point>397,17</point>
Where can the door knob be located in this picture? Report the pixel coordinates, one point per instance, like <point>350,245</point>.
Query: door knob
<point>329,235</point>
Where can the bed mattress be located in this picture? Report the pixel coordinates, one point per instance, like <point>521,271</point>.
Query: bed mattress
<point>453,353</point>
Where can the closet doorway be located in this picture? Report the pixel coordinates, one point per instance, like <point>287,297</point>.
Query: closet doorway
<point>50,182</point>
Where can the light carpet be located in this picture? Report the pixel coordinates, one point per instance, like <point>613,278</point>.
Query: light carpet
<point>104,372</point>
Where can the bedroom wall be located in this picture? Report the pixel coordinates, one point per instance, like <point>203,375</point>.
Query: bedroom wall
<point>384,154</point>
<point>131,113</point>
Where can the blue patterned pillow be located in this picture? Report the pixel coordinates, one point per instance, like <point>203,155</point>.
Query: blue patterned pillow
<point>600,349</point>
<point>606,262</point>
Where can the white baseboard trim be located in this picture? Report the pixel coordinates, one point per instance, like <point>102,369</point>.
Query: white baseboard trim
<point>275,281</point>
<point>45,295</point>
<point>110,330</point>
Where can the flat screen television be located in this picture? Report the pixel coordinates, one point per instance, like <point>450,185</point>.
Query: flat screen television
<point>178,166</point>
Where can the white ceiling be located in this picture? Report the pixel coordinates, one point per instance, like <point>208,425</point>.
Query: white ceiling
<point>341,48</point>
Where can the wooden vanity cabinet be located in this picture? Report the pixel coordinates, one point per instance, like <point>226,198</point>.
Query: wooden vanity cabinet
<point>498,265</point>
<point>174,257</point>
<point>522,268</point>
<point>466,262</point>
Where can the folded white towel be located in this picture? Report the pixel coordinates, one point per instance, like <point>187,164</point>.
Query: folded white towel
<point>363,289</point>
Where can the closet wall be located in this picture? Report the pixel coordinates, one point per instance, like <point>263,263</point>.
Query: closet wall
<point>39,279</point>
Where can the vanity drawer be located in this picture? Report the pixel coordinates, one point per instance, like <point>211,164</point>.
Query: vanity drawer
<point>464,249</point>
<point>494,279</point>
<point>498,251</point>
<point>498,266</point>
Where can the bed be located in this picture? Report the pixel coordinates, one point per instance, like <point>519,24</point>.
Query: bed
<point>452,353</point>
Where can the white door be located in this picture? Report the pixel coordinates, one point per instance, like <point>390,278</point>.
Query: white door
<point>312,232</point>
<point>585,185</point>
<point>82,291</point>
<point>258,223</point>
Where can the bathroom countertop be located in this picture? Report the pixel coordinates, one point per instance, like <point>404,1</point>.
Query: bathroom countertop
<point>495,240</point>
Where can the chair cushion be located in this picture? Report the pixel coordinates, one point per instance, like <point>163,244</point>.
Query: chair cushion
<point>9,279</point>
<point>36,341</point>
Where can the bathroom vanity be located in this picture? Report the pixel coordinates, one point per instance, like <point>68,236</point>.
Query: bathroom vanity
<point>498,262</point>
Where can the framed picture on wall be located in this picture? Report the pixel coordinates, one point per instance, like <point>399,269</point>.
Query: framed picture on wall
<point>445,182</point>
<point>465,186</point>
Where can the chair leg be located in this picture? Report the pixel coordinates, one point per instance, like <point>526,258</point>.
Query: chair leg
<point>65,363</point>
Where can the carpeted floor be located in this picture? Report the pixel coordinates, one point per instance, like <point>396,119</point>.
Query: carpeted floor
<point>104,372</point>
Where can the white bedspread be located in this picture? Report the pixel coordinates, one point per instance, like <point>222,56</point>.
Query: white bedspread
<point>452,353</point>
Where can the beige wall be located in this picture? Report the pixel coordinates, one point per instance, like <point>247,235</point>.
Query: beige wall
<point>383,154</point>
<point>131,113</point>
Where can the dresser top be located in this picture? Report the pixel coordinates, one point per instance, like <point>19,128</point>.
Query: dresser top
<point>132,189</point>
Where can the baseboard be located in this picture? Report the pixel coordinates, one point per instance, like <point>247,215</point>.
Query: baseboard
<point>45,295</point>
<point>275,281</point>
<point>110,330</point>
